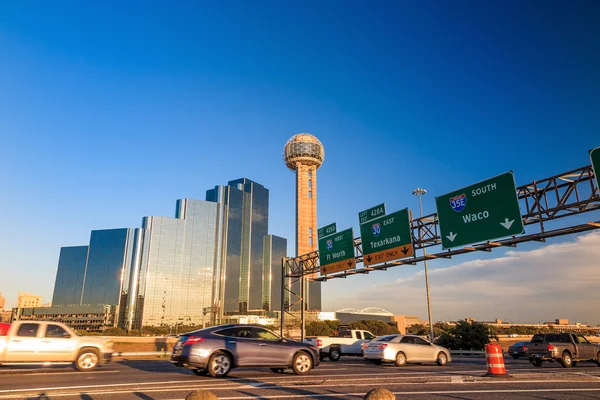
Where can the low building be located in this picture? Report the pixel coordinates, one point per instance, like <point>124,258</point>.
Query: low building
<point>5,316</point>
<point>26,300</point>
<point>2,302</point>
<point>87,317</point>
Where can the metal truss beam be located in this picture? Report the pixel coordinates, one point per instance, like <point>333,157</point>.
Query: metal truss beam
<point>559,196</point>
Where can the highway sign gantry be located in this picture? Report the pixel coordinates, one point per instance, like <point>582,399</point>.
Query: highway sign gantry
<point>386,238</point>
<point>595,157</point>
<point>336,252</point>
<point>371,213</point>
<point>480,212</point>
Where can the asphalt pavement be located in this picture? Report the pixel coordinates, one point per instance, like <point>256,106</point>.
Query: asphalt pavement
<point>350,378</point>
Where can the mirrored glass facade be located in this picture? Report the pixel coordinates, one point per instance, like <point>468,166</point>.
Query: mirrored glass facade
<point>68,286</point>
<point>274,250</point>
<point>246,224</point>
<point>178,267</point>
<point>109,259</point>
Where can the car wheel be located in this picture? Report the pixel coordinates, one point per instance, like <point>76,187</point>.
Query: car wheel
<point>334,354</point>
<point>302,363</point>
<point>537,363</point>
<point>598,359</point>
<point>87,360</point>
<point>566,360</point>
<point>400,359</point>
<point>219,365</point>
<point>515,357</point>
<point>200,371</point>
<point>277,370</point>
<point>442,359</point>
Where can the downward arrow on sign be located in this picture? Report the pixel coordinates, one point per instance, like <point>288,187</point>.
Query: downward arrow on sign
<point>452,236</point>
<point>507,224</point>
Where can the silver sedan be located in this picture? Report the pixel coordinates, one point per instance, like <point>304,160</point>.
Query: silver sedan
<point>403,349</point>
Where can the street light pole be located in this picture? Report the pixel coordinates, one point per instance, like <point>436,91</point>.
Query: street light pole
<point>420,192</point>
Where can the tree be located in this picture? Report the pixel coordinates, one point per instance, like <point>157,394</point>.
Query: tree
<point>377,328</point>
<point>114,331</point>
<point>418,329</point>
<point>134,332</point>
<point>320,328</point>
<point>466,335</point>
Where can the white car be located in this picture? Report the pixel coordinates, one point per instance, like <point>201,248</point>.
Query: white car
<point>403,349</point>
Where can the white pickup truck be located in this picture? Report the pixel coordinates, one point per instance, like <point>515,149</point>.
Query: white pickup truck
<point>348,342</point>
<point>47,342</point>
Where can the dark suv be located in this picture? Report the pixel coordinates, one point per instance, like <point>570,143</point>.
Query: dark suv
<point>218,349</point>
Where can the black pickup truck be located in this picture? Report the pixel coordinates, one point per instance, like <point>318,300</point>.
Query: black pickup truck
<point>566,348</point>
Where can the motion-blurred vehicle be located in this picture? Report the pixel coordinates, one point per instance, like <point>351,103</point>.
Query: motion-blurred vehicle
<point>218,349</point>
<point>347,342</point>
<point>47,342</point>
<point>518,350</point>
<point>403,349</point>
<point>513,335</point>
<point>566,348</point>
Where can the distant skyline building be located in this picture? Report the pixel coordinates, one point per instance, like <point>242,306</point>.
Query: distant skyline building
<point>2,302</point>
<point>245,224</point>
<point>28,300</point>
<point>304,154</point>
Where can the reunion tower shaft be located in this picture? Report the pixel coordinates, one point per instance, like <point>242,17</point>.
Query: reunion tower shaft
<point>304,154</point>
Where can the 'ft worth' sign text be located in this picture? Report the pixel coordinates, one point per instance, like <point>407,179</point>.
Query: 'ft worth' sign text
<point>386,238</point>
<point>336,252</point>
<point>484,211</point>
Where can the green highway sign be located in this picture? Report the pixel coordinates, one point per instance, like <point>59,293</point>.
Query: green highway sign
<point>326,230</point>
<point>336,252</point>
<point>371,213</point>
<point>386,238</point>
<point>595,157</point>
<point>483,211</point>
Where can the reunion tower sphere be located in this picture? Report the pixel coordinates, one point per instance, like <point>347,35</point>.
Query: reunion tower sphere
<point>305,149</point>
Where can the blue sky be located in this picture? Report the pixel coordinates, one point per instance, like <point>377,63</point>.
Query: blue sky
<point>110,111</point>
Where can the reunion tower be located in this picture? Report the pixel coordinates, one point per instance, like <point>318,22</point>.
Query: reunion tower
<point>304,154</point>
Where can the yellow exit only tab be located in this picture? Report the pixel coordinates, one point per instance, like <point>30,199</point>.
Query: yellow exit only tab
<point>338,266</point>
<point>392,254</point>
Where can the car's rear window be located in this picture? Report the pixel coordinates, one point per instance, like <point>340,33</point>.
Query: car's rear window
<point>551,337</point>
<point>388,338</point>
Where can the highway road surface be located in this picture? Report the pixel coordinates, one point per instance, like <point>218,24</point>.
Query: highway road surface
<point>349,378</point>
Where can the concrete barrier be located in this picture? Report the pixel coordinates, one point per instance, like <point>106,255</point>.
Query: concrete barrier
<point>379,394</point>
<point>201,395</point>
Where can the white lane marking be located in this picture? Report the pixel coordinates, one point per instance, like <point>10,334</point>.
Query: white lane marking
<point>291,396</point>
<point>279,387</point>
<point>52,373</point>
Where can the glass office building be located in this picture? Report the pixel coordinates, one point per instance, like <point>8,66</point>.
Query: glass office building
<point>245,224</point>
<point>109,260</point>
<point>210,260</point>
<point>68,286</point>
<point>179,266</point>
<point>274,250</point>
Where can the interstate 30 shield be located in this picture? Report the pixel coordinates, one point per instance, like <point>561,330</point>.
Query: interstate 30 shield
<point>329,244</point>
<point>458,203</point>
<point>376,228</point>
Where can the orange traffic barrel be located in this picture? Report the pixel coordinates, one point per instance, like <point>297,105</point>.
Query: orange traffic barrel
<point>494,360</point>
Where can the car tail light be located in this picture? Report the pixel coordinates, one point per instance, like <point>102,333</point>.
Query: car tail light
<point>193,340</point>
<point>524,348</point>
<point>550,347</point>
<point>319,343</point>
<point>382,346</point>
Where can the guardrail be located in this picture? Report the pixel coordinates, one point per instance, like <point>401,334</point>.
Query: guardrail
<point>467,352</point>
<point>140,353</point>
